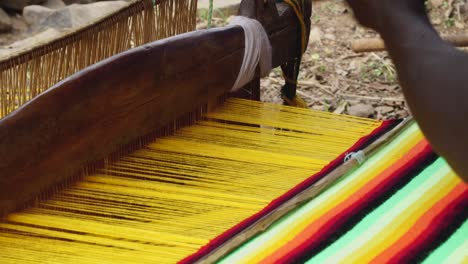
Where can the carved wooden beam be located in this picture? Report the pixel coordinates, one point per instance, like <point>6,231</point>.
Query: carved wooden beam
<point>92,113</point>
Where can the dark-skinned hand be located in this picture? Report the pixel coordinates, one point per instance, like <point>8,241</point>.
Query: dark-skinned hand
<point>375,13</point>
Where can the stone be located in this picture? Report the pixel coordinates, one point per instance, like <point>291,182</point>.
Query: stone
<point>20,45</point>
<point>84,2</point>
<point>19,24</point>
<point>402,114</point>
<point>218,4</point>
<point>72,16</point>
<point>54,4</point>
<point>315,35</point>
<point>70,2</point>
<point>5,21</point>
<point>384,109</point>
<point>361,110</point>
<point>437,21</point>
<point>18,5</point>
<point>330,36</point>
<point>436,3</point>
<point>464,8</point>
<point>36,14</point>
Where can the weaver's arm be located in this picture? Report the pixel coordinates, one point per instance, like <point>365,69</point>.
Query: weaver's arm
<point>433,74</point>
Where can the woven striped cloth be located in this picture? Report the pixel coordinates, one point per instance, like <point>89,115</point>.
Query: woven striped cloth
<point>403,205</point>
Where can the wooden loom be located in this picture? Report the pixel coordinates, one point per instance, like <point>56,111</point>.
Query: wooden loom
<point>81,164</point>
<point>97,102</point>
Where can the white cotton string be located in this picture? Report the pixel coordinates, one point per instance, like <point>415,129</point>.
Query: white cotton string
<point>257,51</point>
<point>359,156</point>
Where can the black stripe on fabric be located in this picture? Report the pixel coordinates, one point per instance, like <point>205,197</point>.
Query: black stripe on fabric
<point>371,206</point>
<point>369,139</point>
<point>392,124</point>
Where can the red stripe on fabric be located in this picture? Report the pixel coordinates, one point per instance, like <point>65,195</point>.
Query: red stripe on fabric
<point>427,228</point>
<point>224,237</point>
<point>321,230</point>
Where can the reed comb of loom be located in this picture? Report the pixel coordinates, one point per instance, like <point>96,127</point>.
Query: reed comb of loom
<point>116,105</point>
<point>27,73</point>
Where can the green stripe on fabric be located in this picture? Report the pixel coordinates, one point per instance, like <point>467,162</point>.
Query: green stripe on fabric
<point>458,241</point>
<point>460,255</point>
<point>297,215</point>
<point>387,211</point>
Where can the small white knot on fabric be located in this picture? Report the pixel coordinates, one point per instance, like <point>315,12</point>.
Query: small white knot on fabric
<point>257,51</point>
<point>359,156</point>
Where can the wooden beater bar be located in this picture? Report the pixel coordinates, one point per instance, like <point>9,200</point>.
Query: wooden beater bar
<point>92,113</point>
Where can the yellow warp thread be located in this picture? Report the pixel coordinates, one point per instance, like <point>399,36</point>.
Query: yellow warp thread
<point>297,101</point>
<point>166,200</point>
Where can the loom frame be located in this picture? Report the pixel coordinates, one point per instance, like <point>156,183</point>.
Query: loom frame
<point>65,126</point>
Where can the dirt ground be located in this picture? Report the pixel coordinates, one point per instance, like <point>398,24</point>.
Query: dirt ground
<point>334,78</point>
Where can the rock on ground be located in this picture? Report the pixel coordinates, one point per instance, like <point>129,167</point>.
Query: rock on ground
<point>54,4</point>
<point>72,16</point>
<point>43,37</point>
<point>18,5</point>
<point>35,14</point>
<point>217,3</point>
<point>361,110</point>
<point>70,2</point>
<point>436,3</point>
<point>5,21</point>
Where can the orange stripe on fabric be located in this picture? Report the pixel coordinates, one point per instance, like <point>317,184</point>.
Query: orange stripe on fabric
<point>315,226</point>
<point>341,194</point>
<point>386,236</point>
<point>421,225</point>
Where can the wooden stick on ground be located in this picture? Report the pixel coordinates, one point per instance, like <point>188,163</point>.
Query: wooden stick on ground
<point>377,44</point>
<point>298,200</point>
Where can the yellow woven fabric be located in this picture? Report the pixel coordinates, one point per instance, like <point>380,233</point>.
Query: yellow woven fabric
<point>163,202</point>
